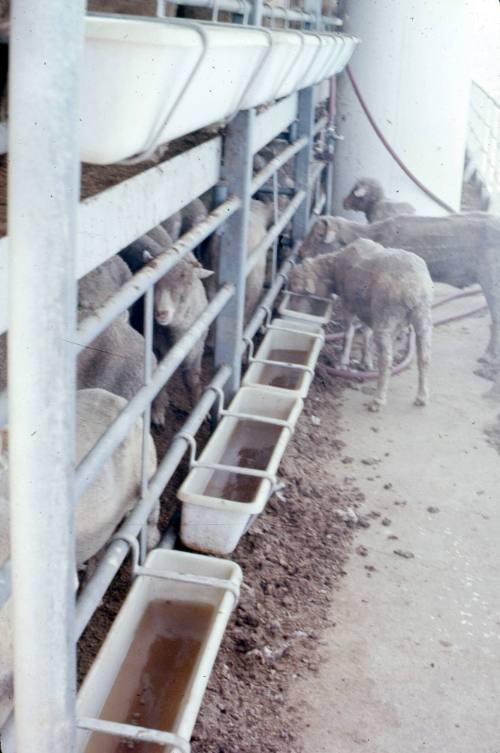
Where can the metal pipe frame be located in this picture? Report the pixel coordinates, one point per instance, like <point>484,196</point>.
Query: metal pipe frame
<point>143,280</point>
<point>301,220</point>
<point>273,165</point>
<point>233,245</point>
<point>46,49</point>
<point>123,424</point>
<point>116,552</point>
<point>275,230</point>
<point>244,7</point>
<point>49,260</point>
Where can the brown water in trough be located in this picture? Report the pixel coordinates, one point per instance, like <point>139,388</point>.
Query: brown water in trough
<point>155,674</point>
<point>232,486</point>
<point>308,306</point>
<point>289,356</point>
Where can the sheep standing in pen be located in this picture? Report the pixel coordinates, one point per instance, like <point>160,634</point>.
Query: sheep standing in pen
<point>460,250</point>
<point>108,499</point>
<point>179,301</point>
<point>114,360</point>
<point>367,196</point>
<point>387,289</point>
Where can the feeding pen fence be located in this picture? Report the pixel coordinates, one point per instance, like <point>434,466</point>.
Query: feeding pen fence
<point>61,110</point>
<point>483,142</point>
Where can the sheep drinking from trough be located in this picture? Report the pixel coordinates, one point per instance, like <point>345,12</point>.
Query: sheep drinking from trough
<point>367,196</point>
<point>108,499</point>
<point>387,289</point>
<point>460,250</point>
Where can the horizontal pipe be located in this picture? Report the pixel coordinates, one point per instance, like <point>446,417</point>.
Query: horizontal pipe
<point>97,322</point>
<point>268,171</point>
<point>91,596</point>
<point>133,732</point>
<point>243,7</point>
<point>119,429</point>
<point>275,230</point>
<point>268,301</point>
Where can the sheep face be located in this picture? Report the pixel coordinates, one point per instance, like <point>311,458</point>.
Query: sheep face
<point>324,237</point>
<point>304,280</point>
<point>174,292</point>
<point>364,194</point>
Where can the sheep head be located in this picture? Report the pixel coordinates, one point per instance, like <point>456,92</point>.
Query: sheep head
<point>364,194</point>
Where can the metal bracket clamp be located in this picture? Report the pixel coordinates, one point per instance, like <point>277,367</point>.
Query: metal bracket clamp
<point>267,318</point>
<point>285,364</point>
<point>191,443</point>
<point>220,402</point>
<point>131,732</point>
<point>249,343</point>
<point>202,580</point>
<point>315,335</point>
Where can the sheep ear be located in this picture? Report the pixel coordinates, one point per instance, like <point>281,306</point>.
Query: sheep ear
<point>360,192</point>
<point>331,232</point>
<point>146,256</point>
<point>204,273</point>
<point>309,286</point>
<point>4,447</point>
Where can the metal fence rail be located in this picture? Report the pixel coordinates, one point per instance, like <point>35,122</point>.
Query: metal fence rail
<point>483,139</point>
<point>43,257</point>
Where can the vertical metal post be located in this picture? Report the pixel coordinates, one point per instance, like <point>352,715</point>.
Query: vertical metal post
<point>305,127</point>
<point>43,188</point>
<point>146,418</point>
<point>233,245</point>
<point>255,16</point>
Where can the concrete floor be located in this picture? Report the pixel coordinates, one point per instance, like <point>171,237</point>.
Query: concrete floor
<point>413,663</point>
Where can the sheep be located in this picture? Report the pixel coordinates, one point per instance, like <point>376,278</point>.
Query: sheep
<point>460,250</point>
<point>387,288</point>
<point>114,361</point>
<point>367,196</point>
<point>179,301</point>
<point>260,220</point>
<point>98,513</point>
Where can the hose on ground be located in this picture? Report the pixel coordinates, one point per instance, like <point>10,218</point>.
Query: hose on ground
<point>365,376</point>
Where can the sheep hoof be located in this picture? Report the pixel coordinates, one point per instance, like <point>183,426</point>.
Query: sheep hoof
<point>158,418</point>
<point>420,401</point>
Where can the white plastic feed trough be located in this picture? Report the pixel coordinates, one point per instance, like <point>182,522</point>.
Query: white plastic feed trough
<point>163,79</point>
<point>296,73</point>
<point>232,480</point>
<point>154,666</point>
<point>286,47</point>
<point>285,361</point>
<point>309,308</point>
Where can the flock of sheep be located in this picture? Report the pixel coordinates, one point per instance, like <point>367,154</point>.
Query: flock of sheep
<point>383,272</point>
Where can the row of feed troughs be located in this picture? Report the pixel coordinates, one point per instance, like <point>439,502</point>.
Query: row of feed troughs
<point>165,78</point>
<point>146,686</point>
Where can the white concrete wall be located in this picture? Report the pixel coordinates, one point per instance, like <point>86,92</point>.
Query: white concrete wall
<point>413,68</point>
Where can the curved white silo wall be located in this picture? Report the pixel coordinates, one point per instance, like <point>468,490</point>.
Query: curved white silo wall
<point>413,68</point>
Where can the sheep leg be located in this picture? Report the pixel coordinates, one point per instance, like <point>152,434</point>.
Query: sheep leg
<point>423,335</point>
<point>348,338</point>
<point>153,534</point>
<point>383,344</point>
<point>191,374</point>
<point>367,349</point>
<point>158,408</point>
<point>491,290</point>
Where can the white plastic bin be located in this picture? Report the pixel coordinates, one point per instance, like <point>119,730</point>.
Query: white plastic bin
<point>311,73</point>
<point>146,81</point>
<point>286,48</point>
<point>219,504</point>
<point>188,620</point>
<point>285,362</point>
<point>310,308</point>
<point>293,79</point>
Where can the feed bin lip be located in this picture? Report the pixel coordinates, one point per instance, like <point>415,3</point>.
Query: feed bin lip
<point>144,590</point>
